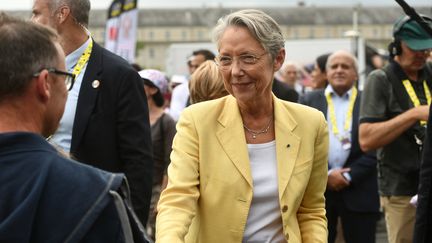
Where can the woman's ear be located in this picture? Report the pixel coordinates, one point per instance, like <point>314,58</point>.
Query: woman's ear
<point>279,60</point>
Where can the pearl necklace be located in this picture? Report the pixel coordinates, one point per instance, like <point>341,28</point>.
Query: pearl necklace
<point>256,133</point>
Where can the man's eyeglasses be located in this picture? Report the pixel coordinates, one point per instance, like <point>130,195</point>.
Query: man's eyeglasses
<point>70,77</point>
<point>246,61</point>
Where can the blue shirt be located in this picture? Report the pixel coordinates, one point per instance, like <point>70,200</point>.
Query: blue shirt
<point>337,154</point>
<point>63,136</point>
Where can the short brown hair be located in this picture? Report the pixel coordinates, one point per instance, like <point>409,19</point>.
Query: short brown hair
<point>25,48</point>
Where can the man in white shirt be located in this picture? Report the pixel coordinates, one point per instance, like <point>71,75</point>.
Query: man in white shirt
<point>180,94</point>
<point>352,190</point>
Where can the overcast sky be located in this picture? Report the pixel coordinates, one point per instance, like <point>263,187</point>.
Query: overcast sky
<point>103,4</point>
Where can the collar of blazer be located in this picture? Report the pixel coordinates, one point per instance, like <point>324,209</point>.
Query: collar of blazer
<point>87,95</point>
<point>230,134</point>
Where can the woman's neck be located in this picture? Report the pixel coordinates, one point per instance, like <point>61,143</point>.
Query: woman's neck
<point>155,113</point>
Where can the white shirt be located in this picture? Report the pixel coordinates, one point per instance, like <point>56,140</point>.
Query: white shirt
<point>179,98</point>
<point>337,154</point>
<point>63,136</point>
<point>264,223</point>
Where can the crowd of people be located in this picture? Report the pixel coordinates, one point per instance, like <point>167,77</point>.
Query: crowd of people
<point>251,148</point>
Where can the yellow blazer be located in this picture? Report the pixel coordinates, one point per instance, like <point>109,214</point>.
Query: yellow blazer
<point>210,184</point>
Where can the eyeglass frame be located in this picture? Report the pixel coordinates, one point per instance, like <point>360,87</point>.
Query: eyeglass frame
<point>241,58</point>
<point>70,77</point>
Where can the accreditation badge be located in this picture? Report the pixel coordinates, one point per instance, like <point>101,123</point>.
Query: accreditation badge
<point>346,143</point>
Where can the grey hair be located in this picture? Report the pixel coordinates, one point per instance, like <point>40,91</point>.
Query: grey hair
<point>263,27</point>
<point>346,53</point>
<point>80,9</point>
<point>25,48</point>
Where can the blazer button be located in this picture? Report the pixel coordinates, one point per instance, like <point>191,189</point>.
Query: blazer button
<point>284,208</point>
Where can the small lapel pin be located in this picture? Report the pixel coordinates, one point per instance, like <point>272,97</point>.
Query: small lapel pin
<point>95,84</point>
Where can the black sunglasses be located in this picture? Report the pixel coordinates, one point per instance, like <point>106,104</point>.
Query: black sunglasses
<point>70,77</point>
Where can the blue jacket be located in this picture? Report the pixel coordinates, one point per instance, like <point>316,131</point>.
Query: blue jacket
<point>45,197</point>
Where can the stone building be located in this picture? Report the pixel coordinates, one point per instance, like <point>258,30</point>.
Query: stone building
<point>159,28</point>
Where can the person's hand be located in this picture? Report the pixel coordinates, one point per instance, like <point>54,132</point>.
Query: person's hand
<point>421,112</point>
<point>414,200</point>
<point>336,181</point>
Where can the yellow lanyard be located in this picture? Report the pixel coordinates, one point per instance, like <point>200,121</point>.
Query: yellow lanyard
<point>413,96</point>
<point>332,114</point>
<point>83,59</point>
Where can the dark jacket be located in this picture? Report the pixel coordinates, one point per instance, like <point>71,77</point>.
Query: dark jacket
<point>111,129</point>
<point>423,224</point>
<point>362,194</point>
<point>48,198</point>
<point>284,92</point>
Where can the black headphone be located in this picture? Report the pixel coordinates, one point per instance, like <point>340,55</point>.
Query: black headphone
<point>395,47</point>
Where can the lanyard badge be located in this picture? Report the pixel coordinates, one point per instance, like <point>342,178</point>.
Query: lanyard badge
<point>345,140</point>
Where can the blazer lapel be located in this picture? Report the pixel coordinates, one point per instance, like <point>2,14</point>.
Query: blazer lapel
<point>354,127</point>
<point>87,95</point>
<point>287,144</point>
<point>322,103</point>
<point>232,139</point>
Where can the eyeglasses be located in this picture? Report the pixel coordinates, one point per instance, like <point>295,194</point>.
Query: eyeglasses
<point>246,61</point>
<point>70,77</point>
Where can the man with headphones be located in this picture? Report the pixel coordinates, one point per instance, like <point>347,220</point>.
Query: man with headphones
<point>393,115</point>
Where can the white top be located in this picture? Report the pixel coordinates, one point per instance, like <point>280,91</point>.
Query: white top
<point>264,223</point>
<point>179,98</point>
<point>63,136</point>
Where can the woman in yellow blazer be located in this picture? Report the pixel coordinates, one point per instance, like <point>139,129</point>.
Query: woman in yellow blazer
<point>247,167</point>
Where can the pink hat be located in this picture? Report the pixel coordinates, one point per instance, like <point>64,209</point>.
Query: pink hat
<point>157,79</point>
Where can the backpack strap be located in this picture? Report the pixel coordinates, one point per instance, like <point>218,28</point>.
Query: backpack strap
<point>417,131</point>
<point>123,216</point>
<point>398,88</point>
<point>136,228</point>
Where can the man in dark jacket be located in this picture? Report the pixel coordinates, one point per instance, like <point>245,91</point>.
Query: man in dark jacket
<point>352,190</point>
<point>46,197</point>
<point>105,122</point>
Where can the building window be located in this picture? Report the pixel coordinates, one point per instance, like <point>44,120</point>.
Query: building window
<point>328,33</point>
<point>184,35</point>
<point>311,32</point>
<point>151,53</point>
<point>375,32</point>
<point>295,34</point>
<point>200,35</point>
<point>151,35</point>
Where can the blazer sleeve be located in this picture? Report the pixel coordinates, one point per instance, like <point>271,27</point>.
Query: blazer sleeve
<point>311,213</point>
<point>362,167</point>
<point>169,131</point>
<point>178,202</point>
<point>134,141</point>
